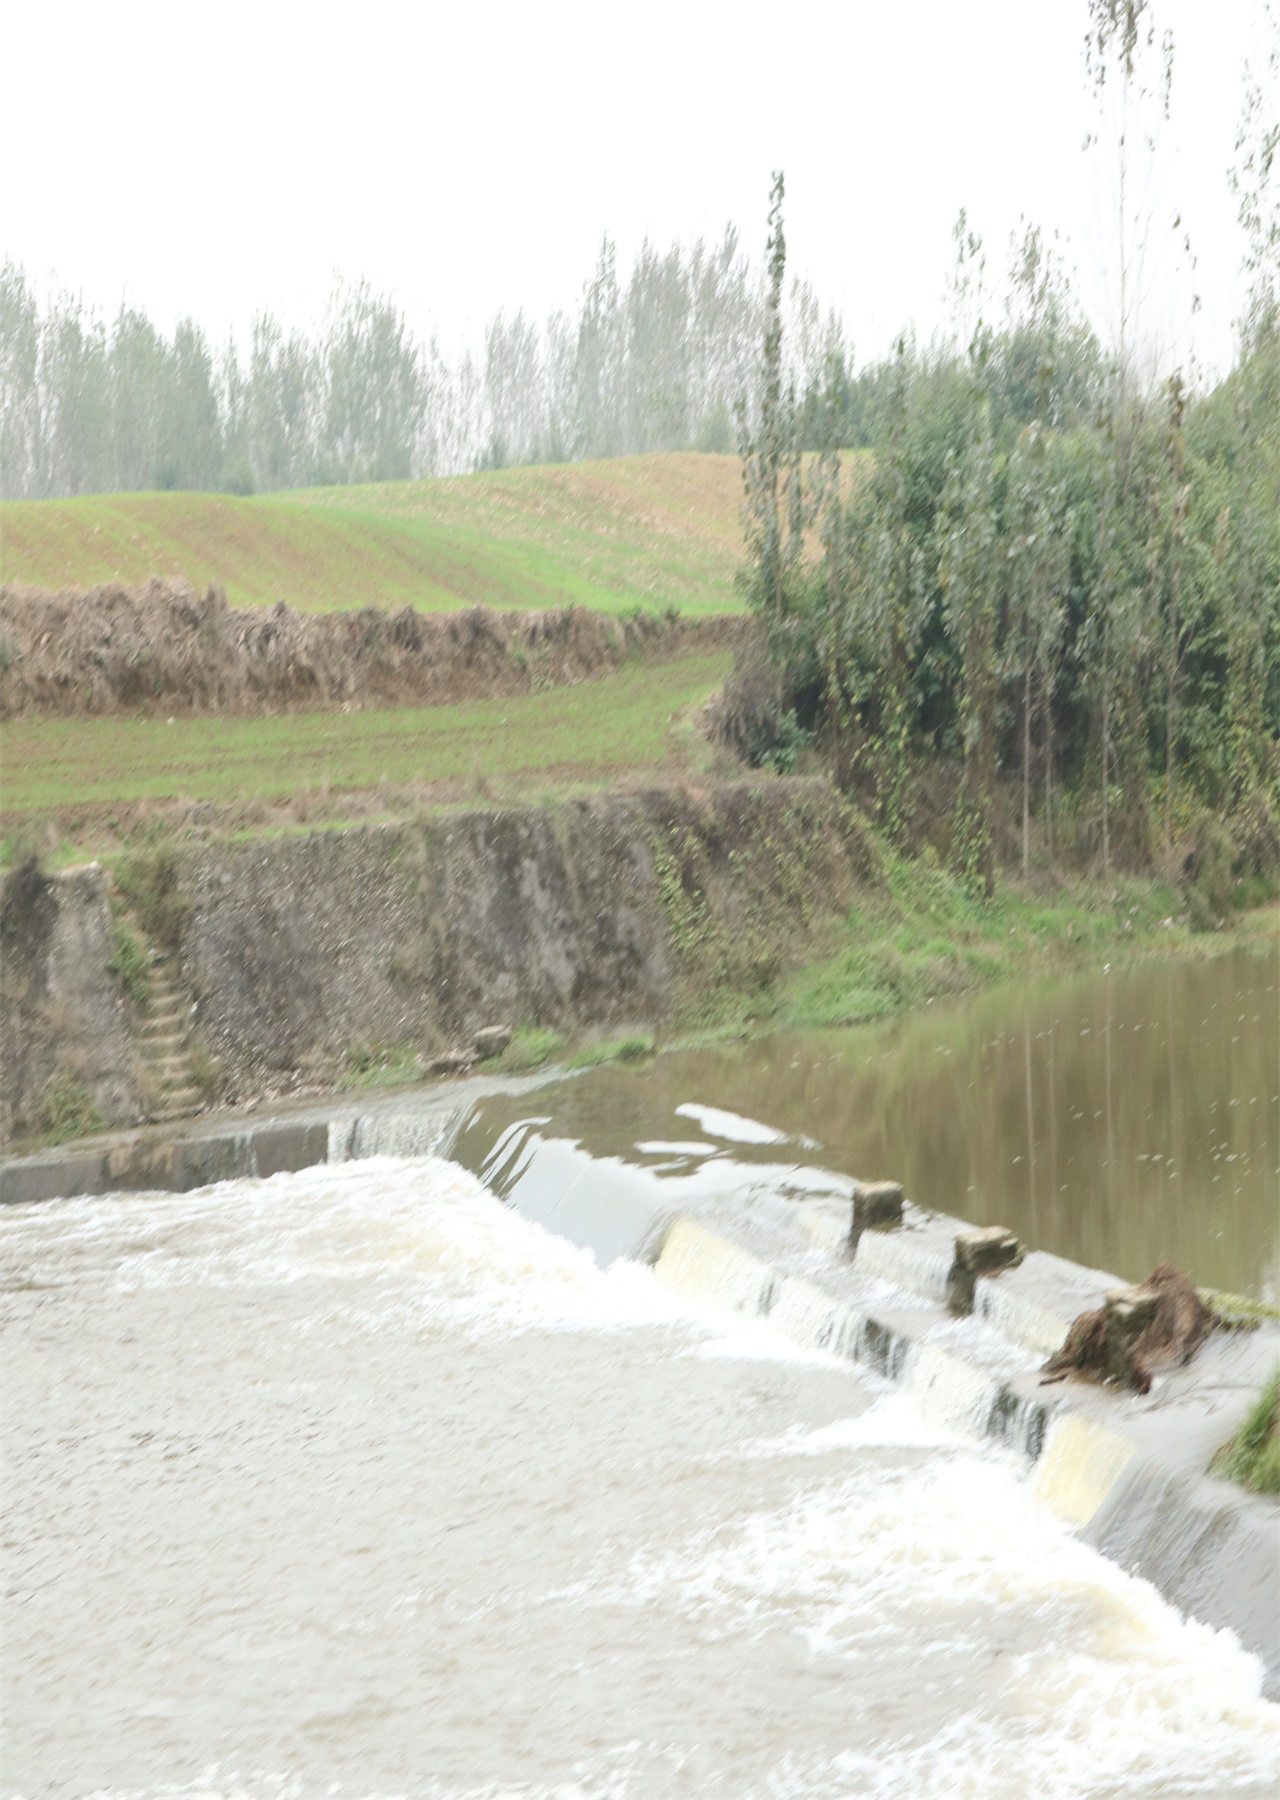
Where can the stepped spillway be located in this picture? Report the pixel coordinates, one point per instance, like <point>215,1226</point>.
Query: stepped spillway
<point>359,1480</point>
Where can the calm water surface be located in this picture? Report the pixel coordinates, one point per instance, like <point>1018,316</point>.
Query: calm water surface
<point>1120,1119</point>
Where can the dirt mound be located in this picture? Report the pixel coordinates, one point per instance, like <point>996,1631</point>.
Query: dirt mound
<point>168,647</point>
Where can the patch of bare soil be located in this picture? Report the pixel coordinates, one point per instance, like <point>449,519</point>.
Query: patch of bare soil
<point>169,648</point>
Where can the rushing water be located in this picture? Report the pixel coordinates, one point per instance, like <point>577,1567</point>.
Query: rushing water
<point>355,1482</point>
<point>1120,1119</point>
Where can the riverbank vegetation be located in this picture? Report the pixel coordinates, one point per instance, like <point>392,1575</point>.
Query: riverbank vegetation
<point>920,932</point>
<point>1054,599</point>
<point>1055,593</point>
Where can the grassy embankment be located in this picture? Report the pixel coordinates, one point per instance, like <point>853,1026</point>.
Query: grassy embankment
<point>84,783</point>
<point>648,531</point>
<point>655,531</point>
<point>919,934</point>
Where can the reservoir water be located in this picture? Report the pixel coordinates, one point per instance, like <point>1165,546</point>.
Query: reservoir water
<point>1121,1119</point>
<point>355,1482</point>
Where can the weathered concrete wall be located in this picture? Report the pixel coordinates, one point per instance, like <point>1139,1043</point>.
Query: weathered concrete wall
<point>296,951</point>
<point>64,1026</point>
<point>598,912</point>
<point>590,913</point>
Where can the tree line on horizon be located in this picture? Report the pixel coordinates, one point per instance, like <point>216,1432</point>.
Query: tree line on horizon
<point>1054,579</point>
<point>653,359</point>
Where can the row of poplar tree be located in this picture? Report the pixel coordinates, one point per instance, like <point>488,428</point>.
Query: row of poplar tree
<point>1051,575</point>
<point>651,360</point>
<point>1041,576</point>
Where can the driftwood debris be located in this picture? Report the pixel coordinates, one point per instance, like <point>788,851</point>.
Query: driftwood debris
<point>1136,1331</point>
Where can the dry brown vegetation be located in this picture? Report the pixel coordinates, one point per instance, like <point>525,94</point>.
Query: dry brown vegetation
<point>167,647</point>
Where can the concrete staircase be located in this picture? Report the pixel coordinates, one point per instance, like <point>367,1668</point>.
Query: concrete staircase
<point>163,1041</point>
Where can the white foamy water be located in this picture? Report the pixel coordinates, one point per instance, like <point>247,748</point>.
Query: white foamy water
<point>354,1483</point>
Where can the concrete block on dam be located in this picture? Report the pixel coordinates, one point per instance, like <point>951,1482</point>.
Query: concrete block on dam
<point>875,1204</point>
<point>987,1251</point>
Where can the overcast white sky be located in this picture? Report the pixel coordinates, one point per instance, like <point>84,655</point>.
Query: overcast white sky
<point>217,160</point>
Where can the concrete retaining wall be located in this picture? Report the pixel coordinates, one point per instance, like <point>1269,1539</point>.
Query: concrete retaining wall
<point>599,913</point>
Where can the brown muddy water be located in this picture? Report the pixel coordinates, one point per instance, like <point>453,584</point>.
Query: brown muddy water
<point>1119,1118</point>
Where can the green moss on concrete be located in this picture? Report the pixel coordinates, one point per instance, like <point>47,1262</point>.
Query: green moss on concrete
<point>627,1049</point>
<point>370,1065</point>
<point>1252,1458</point>
<point>530,1048</point>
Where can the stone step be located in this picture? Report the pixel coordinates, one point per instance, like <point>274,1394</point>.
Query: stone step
<point>161,1037</point>
<point>176,1064</point>
<point>179,1081</point>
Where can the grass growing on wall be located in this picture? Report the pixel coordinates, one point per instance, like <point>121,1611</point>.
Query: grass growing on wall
<point>530,1048</point>
<point>1252,1458</point>
<point>370,1065</point>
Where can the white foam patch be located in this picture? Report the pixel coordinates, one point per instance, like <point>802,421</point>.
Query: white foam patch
<point>440,1241</point>
<point>607,1777</point>
<point>1095,1684</point>
<point>602,1779</point>
<point>733,1339</point>
<point>730,1126</point>
<point>449,1255</point>
<point>891,1422</point>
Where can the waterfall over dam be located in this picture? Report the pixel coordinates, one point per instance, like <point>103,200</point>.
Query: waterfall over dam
<point>475,1460</point>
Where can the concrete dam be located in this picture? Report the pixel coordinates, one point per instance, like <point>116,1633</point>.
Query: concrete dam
<point>666,1469</point>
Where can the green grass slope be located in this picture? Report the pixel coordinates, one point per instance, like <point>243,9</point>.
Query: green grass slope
<point>652,531</point>
<point>626,724</point>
